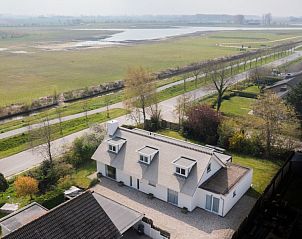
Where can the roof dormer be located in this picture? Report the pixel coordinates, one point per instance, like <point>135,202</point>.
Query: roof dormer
<point>183,166</point>
<point>146,154</point>
<point>115,144</point>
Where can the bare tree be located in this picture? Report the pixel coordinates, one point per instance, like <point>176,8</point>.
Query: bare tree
<point>221,82</point>
<point>107,100</point>
<point>196,73</point>
<point>59,111</point>
<point>139,91</point>
<point>183,103</point>
<point>41,139</point>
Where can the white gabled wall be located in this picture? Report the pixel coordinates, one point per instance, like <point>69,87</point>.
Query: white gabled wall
<point>241,188</point>
<point>100,167</point>
<point>215,166</point>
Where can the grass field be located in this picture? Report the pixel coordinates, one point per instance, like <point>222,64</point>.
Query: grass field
<point>263,170</point>
<point>27,76</point>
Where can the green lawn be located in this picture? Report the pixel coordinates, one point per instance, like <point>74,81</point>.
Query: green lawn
<point>252,89</point>
<point>18,143</point>
<point>27,76</point>
<point>263,170</point>
<point>237,106</point>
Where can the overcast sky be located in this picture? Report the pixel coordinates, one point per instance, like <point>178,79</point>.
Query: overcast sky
<point>142,7</point>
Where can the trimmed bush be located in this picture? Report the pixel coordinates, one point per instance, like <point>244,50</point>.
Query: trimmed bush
<point>51,199</point>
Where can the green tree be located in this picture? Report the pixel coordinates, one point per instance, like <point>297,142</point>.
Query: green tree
<point>3,183</point>
<point>294,98</point>
<point>273,117</point>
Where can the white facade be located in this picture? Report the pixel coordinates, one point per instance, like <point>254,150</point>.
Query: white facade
<point>226,202</point>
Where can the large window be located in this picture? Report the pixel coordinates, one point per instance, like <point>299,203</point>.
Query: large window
<point>110,172</point>
<point>212,203</point>
<point>172,197</point>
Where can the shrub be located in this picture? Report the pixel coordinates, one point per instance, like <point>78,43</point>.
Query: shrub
<point>184,210</point>
<point>202,123</point>
<point>93,182</point>
<point>225,131</point>
<point>51,199</point>
<point>3,183</point>
<point>25,186</point>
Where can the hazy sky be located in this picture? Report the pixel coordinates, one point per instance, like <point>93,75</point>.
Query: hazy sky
<point>142,7</point>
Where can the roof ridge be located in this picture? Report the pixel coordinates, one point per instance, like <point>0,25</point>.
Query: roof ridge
<point>136,131</point>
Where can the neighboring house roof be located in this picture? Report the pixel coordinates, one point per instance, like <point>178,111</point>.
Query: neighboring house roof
<point>123,217</point>
<point>23,216</point>
<point>161,170</point>
<point>290,83</point>
<point>80,217</point>
<point>224,179</point>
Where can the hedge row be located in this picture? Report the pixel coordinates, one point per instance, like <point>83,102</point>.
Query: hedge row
<point>51,199</point>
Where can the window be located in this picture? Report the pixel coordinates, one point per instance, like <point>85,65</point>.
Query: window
<point>112,148</point>
<point>209,168</point>
<point>144,159</point>
<point>181,171</point>
<point>234,194</point>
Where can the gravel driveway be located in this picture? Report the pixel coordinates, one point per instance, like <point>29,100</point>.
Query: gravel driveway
<point>196,224</point>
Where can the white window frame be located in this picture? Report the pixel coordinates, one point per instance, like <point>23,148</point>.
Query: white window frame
<point>180,171</point>
<point>144,159</point>
<point>111,147</point>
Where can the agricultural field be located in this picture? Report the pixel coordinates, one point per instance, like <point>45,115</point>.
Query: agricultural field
<point>29,72</point>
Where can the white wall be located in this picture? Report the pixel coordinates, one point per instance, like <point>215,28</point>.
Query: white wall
<point>100,167</point>
<point>215,166</point>
<point>149,231</point>
<point>199,199</point>
<point>241,188</point>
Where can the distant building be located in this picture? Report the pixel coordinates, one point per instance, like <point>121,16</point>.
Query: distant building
<point>184,174</point>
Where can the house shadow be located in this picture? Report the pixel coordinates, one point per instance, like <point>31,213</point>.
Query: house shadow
<point>200,219</point>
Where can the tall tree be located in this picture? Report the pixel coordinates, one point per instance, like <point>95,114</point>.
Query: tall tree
<point>140,89</point>
<point>3,183</point>
<point>295,98</point>
<point>183,103</point>
<point>221,82</point>
<point>273,117</point>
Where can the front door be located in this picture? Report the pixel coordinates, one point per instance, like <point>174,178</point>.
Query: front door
<point>111,172</point>
<point>212,203</point>
<point>172,197</point>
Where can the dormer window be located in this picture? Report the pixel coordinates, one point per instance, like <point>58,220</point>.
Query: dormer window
<point>112,148</point>
<point>183,166</point>
<point>144,159</point>
<point>115,144</point>
<point>146,154</point>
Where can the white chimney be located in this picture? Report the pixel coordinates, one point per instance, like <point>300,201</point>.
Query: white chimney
<point>112,126</point>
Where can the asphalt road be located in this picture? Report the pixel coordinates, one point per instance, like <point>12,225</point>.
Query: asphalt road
<point>27,159</point>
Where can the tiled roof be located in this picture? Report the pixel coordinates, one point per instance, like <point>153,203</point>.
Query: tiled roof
<point>81,217</point>
<point>224,179</point>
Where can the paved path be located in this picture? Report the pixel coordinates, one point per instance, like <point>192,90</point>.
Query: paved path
<point>20,162</point>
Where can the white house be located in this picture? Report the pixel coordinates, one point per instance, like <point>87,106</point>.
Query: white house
<point>181,173</point>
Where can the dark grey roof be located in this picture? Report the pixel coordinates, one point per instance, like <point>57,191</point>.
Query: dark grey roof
<point>225,178</point>
<point>123,217</point>
<point>81,217</point>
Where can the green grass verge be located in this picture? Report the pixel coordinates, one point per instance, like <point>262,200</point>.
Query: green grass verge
<point>18,143</point>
